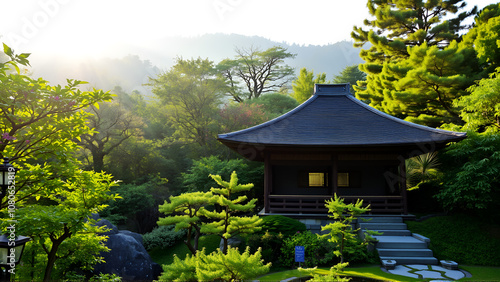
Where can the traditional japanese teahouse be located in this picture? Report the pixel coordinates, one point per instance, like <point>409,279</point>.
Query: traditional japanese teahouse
<point>335,144</point>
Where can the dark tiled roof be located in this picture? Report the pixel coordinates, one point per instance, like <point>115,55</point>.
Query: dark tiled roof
<point>333,117</point>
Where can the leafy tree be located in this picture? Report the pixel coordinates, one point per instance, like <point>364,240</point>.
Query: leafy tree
<point>51,225</point>
<point>483,36</point>
<point>236,116</point>
<point>303,86</point>
<point>191,92</point>
<point>414,66</point>
<point>340,231</point>
<point>113,124</point>
<point>350,74</point>
<point>198,174</point>
<point>259,71</point>
<point>274,104</point>
<point>481,109</point>
<point>54,200</point>
<point>186,211</point>
<point>471,180</point>
<point>38,120</point>
<point>225,222</point>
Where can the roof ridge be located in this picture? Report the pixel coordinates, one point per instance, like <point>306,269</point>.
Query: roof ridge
<point>272,121</point>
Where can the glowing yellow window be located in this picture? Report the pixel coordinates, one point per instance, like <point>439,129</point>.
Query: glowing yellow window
<point>316,179</point>
<point>343,179</point>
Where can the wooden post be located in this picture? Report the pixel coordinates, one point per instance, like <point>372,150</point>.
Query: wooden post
<point>335,167</point>
<point>402,174</point>
<point>267,180</point>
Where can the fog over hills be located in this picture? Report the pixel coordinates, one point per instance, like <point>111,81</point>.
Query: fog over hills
<point>131,66</point>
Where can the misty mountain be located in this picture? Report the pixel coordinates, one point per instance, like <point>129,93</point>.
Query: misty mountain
<point>132,69</point>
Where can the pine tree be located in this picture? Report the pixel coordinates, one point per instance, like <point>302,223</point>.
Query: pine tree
<point>303,86</point>
<point>411,44</point>
<point>226,223</point>
<point>185,211</point>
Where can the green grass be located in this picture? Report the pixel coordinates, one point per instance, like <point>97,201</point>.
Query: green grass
<point>461,238</point>
<point>166,256</point>
<point>479,273</point>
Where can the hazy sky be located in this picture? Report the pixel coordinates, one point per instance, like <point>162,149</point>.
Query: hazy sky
<point>101,27</point>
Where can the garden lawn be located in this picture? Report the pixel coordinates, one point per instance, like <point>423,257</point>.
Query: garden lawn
<point>166,256</point>
<point>462,238</point>
<point>479,273</point>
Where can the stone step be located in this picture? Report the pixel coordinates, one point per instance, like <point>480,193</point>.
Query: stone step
<point>405,252</point>
<point>399,242</point>
<point>381,219</point>
<point>383,226</point>
<point>394,232</point>
<point>412,260</point>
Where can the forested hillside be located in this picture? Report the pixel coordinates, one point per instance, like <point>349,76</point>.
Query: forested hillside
<point>131,70</point>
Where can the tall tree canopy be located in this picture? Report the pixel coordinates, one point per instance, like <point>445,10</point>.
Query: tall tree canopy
<point>350,74</point>
<point>414,59</point>
<point>191,92</point>
<point>54,198</point>
<point>303,86</point>
<point>259,71</point>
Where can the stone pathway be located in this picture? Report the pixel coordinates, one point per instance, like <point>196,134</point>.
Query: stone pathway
<point>428,271</point>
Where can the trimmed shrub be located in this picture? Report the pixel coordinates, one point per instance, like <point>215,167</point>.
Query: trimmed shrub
<point>162,237</point>
<point>282,224</point>
<point>318,251</point>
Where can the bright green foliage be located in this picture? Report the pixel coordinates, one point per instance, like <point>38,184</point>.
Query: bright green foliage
<point>318,250</point>
<point>414,66</point>
<point>471,179</point>
<point>54,200</point>
<point>421,169</point>
<point>185,211</point>
<point>225,222</point>
<point>340,231</point>
<point>181,270</point>
<point>481,109</point>
<point>37,119</point>
<point>484,37</point>
<point>303,86</point>
<point>333,275</point>
<point>350,74</point>
<point>428,82</point>
<point>60,220</point>
<point>259,71</point>
<point>233,266</point>
<point>191,92</point>
<point>217,266</point>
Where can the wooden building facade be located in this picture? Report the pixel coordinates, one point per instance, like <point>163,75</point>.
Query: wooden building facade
<point>335,144</point>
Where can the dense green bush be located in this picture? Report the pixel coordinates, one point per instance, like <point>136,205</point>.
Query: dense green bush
<point>471,174</point>
<point>318,251</point>
<point>270,243</point>
<point>282,224</point>
<point>162,237</point>
<point>462,238</point>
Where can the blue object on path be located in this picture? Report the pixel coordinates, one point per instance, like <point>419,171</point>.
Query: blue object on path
<point>299,254</point>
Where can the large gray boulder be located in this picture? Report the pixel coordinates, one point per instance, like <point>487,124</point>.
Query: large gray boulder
<point>127,257</point>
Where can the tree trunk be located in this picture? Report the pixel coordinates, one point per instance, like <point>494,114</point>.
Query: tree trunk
<point>52,255</point>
